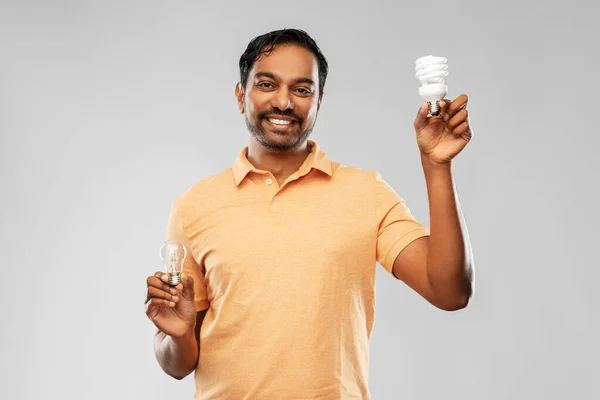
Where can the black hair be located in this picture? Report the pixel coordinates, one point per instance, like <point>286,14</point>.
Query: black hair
<point>264,44</point>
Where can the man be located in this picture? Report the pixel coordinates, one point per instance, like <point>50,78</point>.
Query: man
<point>278,295</point>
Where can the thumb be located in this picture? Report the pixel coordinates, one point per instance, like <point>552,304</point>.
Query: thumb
<point>188,286</point>
<point>421,119</point>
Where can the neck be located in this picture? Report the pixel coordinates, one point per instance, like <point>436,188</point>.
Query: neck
<point>280,163</point>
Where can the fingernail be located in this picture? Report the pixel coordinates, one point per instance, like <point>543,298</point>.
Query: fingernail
<point>172,304</point>
<point>175,299</point>
<point>173,291</point>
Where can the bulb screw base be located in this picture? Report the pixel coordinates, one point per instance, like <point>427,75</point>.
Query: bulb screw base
<point>434,108</point>
<point>174,278</point>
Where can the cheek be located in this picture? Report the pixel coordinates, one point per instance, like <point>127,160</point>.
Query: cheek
<point>311,112</point>
<point>253,105</point>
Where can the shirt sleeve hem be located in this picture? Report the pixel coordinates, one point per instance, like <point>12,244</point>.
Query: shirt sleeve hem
<point>202,305</point>
<point>400,245</point>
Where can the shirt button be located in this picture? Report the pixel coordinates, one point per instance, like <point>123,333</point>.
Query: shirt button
<point>269,181</point>
<point>276,198</point>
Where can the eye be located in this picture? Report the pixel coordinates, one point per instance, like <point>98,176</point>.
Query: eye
<point>265,85</point>
<point>304,91</point>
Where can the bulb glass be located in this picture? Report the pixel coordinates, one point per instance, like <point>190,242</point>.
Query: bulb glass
<point>172,254</point>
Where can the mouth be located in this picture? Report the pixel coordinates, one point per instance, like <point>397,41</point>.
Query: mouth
<point>281,124</point>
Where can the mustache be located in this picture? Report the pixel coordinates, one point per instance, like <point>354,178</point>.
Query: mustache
<point>287,113</point>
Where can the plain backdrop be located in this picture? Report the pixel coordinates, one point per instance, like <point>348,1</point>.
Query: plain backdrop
<point>109,110</point>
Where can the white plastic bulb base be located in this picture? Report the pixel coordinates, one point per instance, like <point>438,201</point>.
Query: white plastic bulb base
<point>433,94</point>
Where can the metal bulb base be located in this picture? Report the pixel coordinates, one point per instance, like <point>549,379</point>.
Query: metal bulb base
<point>174,278</point>
<point>434,107</point>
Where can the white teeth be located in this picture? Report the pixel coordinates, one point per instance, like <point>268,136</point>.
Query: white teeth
<point>279,121</point>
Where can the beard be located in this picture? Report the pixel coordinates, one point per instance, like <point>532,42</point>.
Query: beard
<point>294,140</point>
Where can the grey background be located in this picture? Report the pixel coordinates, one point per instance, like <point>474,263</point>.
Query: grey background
<point>110,110</point>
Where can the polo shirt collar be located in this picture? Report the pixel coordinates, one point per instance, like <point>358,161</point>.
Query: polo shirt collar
<point>316,159</point>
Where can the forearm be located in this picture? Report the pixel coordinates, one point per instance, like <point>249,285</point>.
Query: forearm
<point>449,259</point>
<point>178,357</point>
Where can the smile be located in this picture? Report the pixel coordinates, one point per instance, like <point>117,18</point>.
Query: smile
<point>280,123</point>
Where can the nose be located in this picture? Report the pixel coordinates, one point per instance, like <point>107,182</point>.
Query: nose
<point>281,99</point>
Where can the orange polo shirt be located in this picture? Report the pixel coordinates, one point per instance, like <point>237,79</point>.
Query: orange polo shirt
<point>288,276</point>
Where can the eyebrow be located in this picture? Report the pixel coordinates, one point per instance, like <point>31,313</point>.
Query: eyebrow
<point>271,75</point>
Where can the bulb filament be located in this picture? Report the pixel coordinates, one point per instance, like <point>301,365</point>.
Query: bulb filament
<point>173,259</point>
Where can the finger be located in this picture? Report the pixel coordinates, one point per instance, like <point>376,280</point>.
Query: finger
<point>154,281</point>
<point>458,118</point>
<point>459,103</point>
<point>421,118</point>
<point>162,276</point>
<point>444,103</point>
<point>159,283</point>
<point>157,292</point>
<point>161,294</point>
<point>463,130</point>
<point>154,304</point>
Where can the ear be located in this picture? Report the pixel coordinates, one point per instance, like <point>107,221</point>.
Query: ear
<point>319,103</point>
<point>239,94</point>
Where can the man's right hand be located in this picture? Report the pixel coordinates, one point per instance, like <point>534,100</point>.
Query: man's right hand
<point>171,308</point>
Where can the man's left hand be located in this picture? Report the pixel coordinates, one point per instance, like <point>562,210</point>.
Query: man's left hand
<point>442,137</point>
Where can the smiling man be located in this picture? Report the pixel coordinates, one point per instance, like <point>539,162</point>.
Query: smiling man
<point>280,95</point>
<point>277,300</point>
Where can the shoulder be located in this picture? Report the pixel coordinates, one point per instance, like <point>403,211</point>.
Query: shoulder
<point>353,173</point>
<point>203,192</point>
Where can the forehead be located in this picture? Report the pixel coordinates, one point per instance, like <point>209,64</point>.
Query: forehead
<point>288,61</point>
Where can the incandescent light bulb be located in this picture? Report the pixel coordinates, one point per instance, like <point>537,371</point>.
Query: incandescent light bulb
<point>431,71</point>
<point>172,254</point>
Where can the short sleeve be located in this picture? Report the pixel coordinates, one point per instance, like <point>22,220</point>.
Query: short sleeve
<point>176,231</point>
<point>397,227</point>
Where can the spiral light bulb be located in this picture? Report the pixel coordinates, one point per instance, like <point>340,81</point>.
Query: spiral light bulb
<point>431,71</point>
<point>172,254</point>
